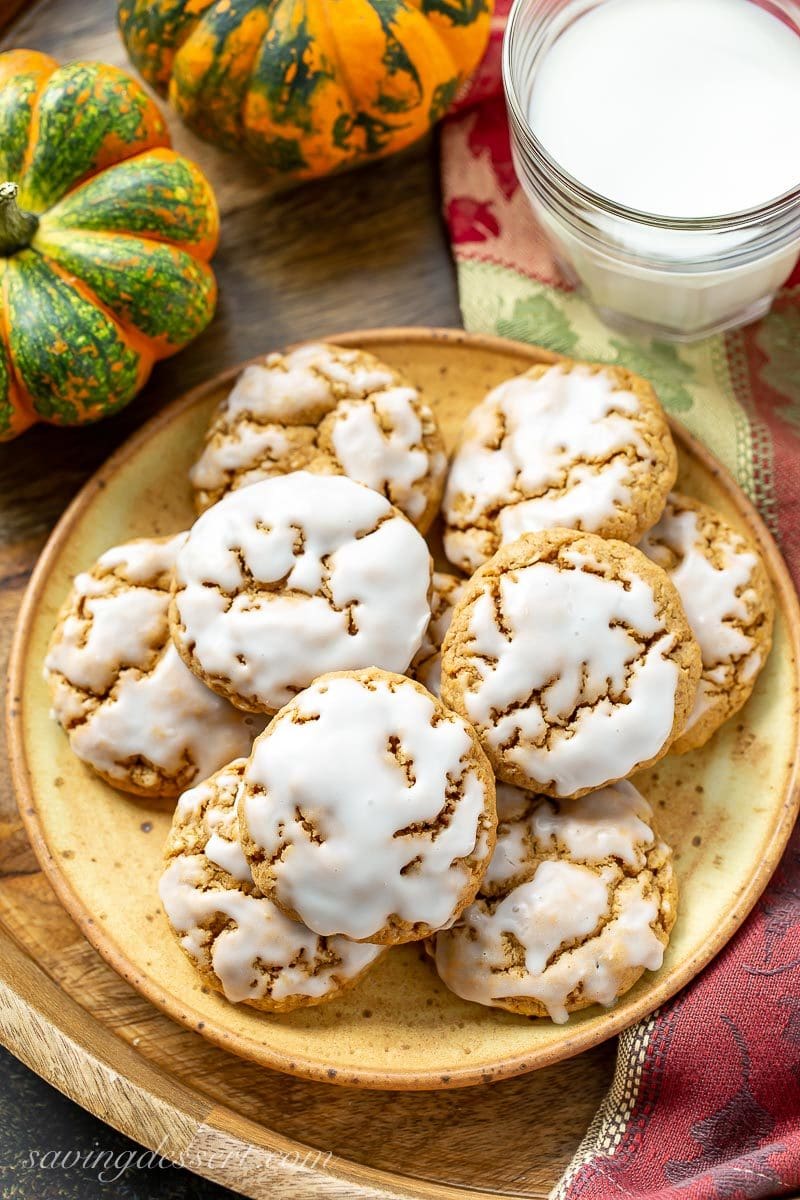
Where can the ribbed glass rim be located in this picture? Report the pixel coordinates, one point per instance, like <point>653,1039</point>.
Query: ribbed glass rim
<point>765,214</point>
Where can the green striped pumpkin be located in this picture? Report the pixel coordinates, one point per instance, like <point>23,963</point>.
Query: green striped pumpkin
<point>307,87</point>
<point>105,237</point>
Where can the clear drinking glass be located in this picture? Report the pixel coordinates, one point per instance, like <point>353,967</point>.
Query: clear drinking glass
<point>673,278</point>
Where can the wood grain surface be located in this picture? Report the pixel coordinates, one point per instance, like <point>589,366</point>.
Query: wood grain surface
<point>366,249</point>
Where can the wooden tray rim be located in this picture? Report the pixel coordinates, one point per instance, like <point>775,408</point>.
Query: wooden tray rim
<point>616,1019</point>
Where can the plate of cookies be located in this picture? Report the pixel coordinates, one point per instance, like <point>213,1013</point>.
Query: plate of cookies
<point>409,710</point>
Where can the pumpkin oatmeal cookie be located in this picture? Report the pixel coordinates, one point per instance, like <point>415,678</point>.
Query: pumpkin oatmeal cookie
<point>332,410</point>
<point>574,445</point>
<point>240,943</point>
<point>368,809</point>
<point>728,600</point>
<point>295,576</point>
<point>427,664</point>
<point>572,657</point>
<point>131,709</point>
<point>579,900</point>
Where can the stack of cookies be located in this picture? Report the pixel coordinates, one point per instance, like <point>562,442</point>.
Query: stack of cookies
<point>369,752</point>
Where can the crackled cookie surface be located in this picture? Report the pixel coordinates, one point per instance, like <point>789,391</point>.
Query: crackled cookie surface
<point>728,600</point>
<point>129,706</point>
<point>579,900</point>
<point>575,445</point>
<point>241,944</point>
<point>573,658</point>
<point>329,409</point>
<point>427,665</point>
<point>368,809</point>
<point>295,576</point>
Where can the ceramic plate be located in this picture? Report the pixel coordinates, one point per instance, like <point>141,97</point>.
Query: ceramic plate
<point>727,809</point>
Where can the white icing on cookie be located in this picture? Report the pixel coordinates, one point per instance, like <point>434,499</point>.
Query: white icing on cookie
<point>366,808</point>
<point>575,687</point>
<point>299,575</point>
<point>717,600</point>
<point>118,685</point>
<point>260,952</point>
<point>612,823</point>
<point>258,934</point>
<point>248,450</point>
<point>223,847</point>
<point>563,904</point>
<point>557,450</point>
<point>427,663</point>
<point>395,463</point>
<point>166,717</point>
<point>329,401</point>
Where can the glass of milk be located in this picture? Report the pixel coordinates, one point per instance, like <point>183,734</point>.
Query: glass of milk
<point>658,142</point>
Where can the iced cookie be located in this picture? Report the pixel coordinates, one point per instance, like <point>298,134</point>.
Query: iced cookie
<point>295,576</point>
<point>572,657</point>
<point>325,408</point>
<point>427,664</point>
<point>728,600</point>
<point>242,945</point>
<point>368,809</point>
<point>572,445</point>
<point>131,709</point>
<point>578,902</point>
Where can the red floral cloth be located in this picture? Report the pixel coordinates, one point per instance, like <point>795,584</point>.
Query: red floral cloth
<point>706,1099</point>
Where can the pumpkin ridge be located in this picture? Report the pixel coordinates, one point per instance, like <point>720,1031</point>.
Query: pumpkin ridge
<point>139,126</point>
<point>128,20</point>
<point>347,86</point>
<point>167,318</point>
<point>43,61</point>
<point>136,341</point>
<point>66,388</point>
<point>200,240</point>
<point>18,398</point>
<point>211,97</point>
<point>33,128</point>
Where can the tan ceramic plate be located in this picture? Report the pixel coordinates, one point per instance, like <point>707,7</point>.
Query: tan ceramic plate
<point>727,809</point>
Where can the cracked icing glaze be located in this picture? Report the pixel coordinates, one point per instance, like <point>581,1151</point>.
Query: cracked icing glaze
<point>327,409</point>
<point>727,598</point>
<point>573,659</point>
<point>427,665</point>
<point>130,707</point>
<point>611,823</point>
<point>242,944</point>
<point>579,899</point>
<point>569,445</point>
<point>563,903</point>
<point>368,809</point>
<point>293,577</point>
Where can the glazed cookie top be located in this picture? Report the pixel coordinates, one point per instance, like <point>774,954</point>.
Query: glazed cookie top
<point>329,409</point>
<point>578,901</point>
<point>609,825</point>
<point>728,600</point>
<point>427,664</point>
<point>572,656</point>
<point>575,445</point>
<point>129,705</point>
<point>247,947</point>
<point>368,809</point>
<point>295,576</point>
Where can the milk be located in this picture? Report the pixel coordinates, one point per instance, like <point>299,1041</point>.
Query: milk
<point>683,109</point>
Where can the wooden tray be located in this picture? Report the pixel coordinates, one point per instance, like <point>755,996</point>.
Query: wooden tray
<point>733,843</point>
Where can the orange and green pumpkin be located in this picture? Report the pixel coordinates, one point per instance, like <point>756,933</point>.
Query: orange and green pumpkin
<point>105,236</point>
<point>307,86</point>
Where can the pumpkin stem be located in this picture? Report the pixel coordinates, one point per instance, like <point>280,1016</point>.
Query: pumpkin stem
<point>16,226</point>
